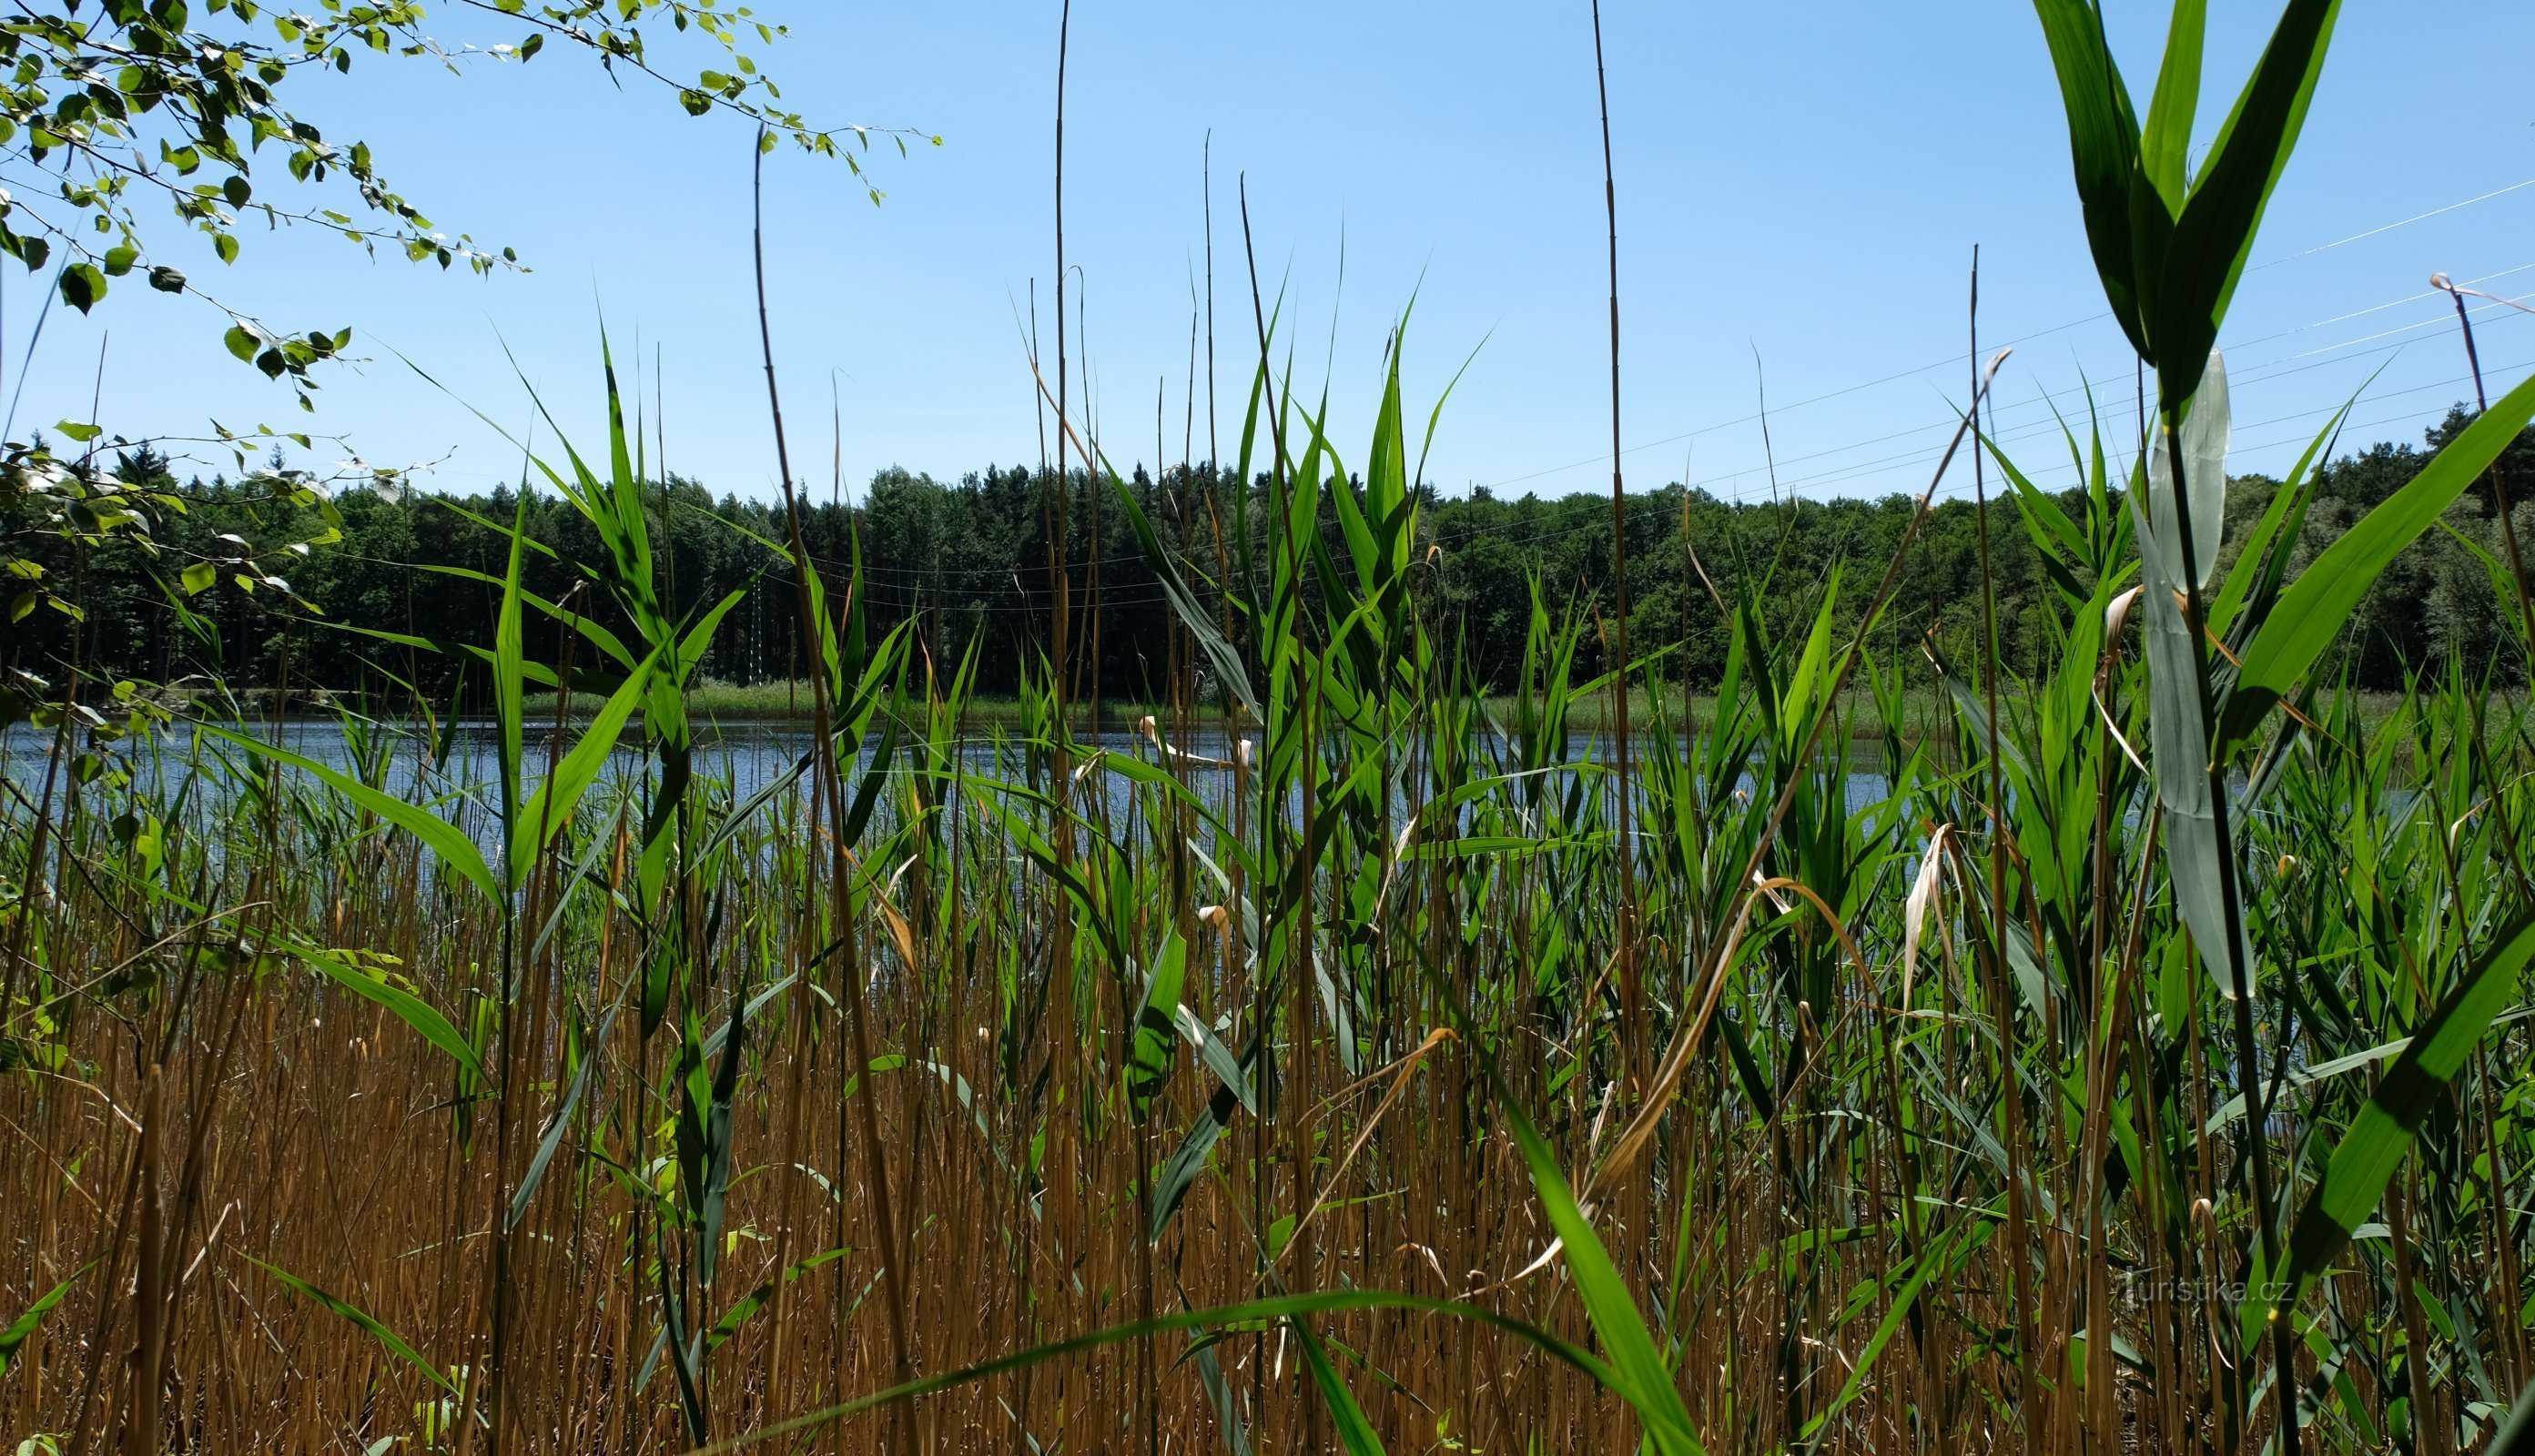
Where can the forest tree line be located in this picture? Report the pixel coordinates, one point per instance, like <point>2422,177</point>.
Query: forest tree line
<point>971,559</point>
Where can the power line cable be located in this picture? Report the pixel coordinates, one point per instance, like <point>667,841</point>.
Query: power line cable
<point>1954,362</point>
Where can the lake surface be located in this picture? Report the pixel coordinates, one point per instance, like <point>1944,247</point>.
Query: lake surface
<point>741,758</point>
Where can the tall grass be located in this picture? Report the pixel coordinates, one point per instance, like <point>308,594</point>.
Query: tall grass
<point>1893,1057</point>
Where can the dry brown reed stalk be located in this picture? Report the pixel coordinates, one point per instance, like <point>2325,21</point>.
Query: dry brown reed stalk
<point>363,1083</point>
<point>1631,991</point>
<point>874,1169</point>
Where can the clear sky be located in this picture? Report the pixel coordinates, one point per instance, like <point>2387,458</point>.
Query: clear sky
<point>1799,189</point>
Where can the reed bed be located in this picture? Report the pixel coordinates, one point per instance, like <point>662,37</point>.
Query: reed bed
<point>1873,1052</point>
<point>273,1107</point>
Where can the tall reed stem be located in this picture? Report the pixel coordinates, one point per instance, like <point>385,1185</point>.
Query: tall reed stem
<point>876,1181</point>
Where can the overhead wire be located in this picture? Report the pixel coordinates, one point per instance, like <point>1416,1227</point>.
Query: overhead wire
<point>2020,431</point>
<point>2259,374</point>
<point>912,580</point>
<point>2019,341</point>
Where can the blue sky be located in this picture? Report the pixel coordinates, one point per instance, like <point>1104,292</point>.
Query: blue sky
<point>1800,191</point>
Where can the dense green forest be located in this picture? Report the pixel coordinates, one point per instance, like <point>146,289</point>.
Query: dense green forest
<point>972,559</point>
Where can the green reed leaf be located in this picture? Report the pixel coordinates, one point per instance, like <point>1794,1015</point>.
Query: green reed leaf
<point>2256,563</point>
<point>445,840</point>
<point>1285,1306</point>
<point>2310,614</point>
<point>2165,141</point>
<point>23,1328</point>
<point>407,1008</point>
<point>509,675</point>
<point>1219,651</point>
<point>1639,1376</point>
<point>561,1122</point>
<point>2215,230</point>
<point>392,1342</point>
<point>1355,1432</point>
<point>549,809</point>
<point>2367,1156</point>
<point>2103,145</point>
<point>1149,1057</point>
